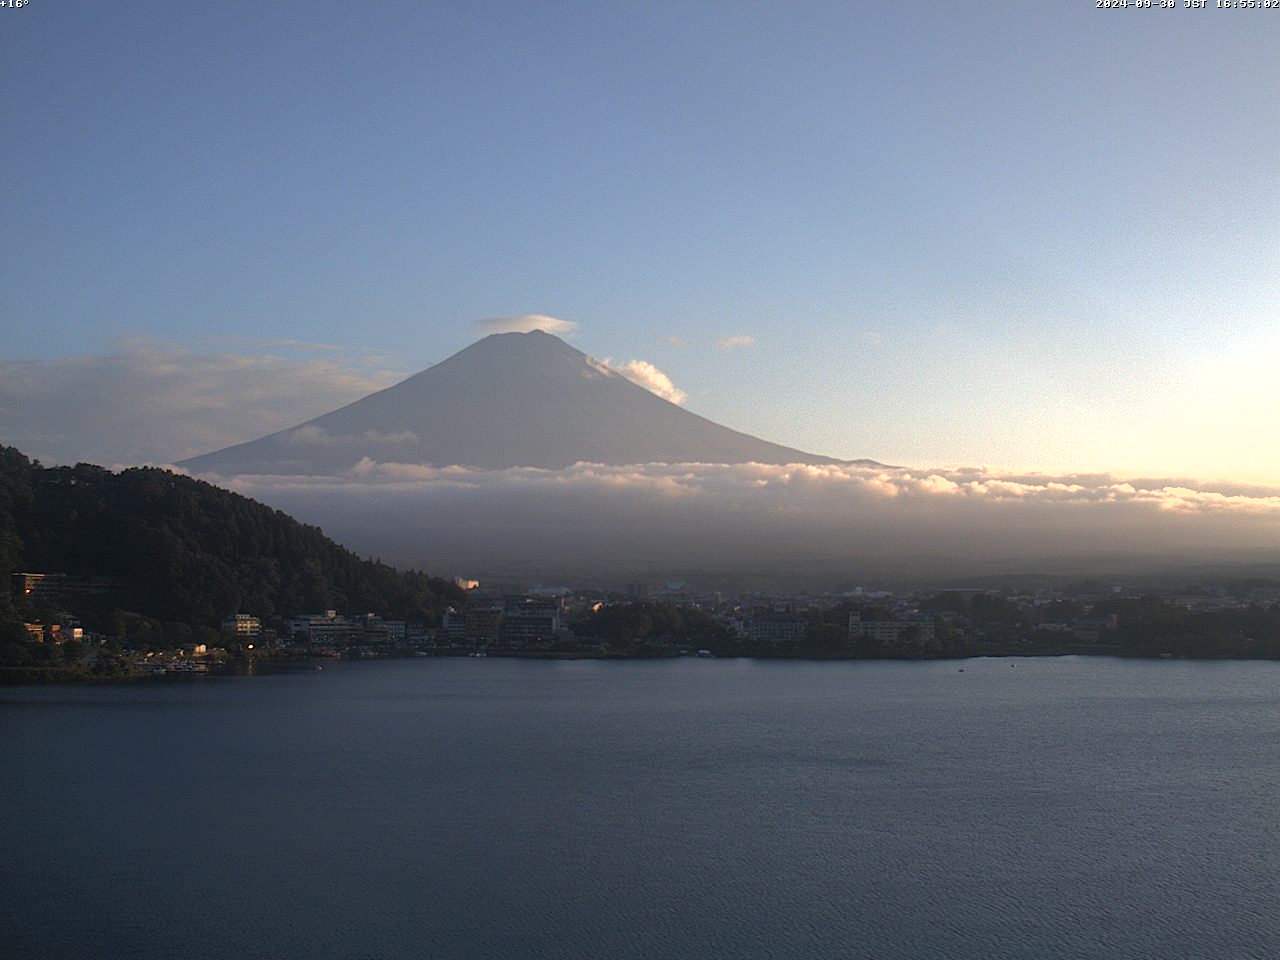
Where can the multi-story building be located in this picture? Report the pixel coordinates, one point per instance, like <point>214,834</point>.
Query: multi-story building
<point>530,619</point>
<point>326,629</point>
<point>374,630</point>
<point>484,624</point>
<point>889,632</point>
<point>59,587</point>
<point>777,626</point>
<point>45,587</point>
<point>242,626</point>
<point>454,625</point>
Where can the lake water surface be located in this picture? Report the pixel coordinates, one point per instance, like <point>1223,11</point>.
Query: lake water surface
<point>1045,808</point>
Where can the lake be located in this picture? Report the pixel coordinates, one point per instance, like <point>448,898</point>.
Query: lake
<point>1031,808</point>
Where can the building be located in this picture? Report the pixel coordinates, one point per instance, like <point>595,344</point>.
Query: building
<point>454,626</point>
<point>483,625</point>
<point>64,627</point>
<point>38,587</point>
<point>242,626</point>
<point>887,633</point>
<point>326,629</point>
<point>777,626</point>
<point>530,619</point>
<point>477,626</point>
<point>53,588</point>
<point>375,630</point>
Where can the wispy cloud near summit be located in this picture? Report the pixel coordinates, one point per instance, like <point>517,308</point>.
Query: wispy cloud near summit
<point>526,324</point>
<point>645,374</point>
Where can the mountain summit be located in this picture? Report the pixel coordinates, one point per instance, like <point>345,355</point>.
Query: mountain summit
<point>509,400</point>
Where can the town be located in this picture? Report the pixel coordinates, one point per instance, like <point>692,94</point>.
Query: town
<point>1232,619</point>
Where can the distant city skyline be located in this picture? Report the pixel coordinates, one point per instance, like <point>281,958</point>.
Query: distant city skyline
<point>1024,237</point>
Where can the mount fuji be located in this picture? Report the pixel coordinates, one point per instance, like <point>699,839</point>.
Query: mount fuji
<point>509,400</point>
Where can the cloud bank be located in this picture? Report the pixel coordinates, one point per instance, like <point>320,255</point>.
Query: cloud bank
<point>526,324</point>
<point>590,519</point>
<point>152,402</point>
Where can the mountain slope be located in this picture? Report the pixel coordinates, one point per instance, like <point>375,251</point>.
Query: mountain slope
<point>186,551</point>
<point>510,400</point>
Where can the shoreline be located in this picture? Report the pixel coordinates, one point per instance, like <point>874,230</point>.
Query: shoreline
<point>43,676</point>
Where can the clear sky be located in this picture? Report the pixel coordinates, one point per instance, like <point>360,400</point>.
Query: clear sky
<point>1030,235</point>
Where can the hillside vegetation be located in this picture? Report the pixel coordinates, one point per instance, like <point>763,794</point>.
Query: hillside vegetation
<point>185,551</point>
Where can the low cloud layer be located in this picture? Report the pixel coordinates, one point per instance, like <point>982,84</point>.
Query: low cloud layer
<point>736,341</point>
<point>150,402</point>
<point>755,517</point>
<point>527,324</point>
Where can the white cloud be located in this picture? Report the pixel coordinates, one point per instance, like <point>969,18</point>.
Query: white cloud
<point>645,374</point>
<point>151,402</point>
<point>676,342</point>
<point>737,340</point>
<point>527,324</point>
<point>840,484</point>
<point>770,517</point>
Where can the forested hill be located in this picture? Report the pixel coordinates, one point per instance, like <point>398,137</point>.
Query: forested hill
<point>184,550</point>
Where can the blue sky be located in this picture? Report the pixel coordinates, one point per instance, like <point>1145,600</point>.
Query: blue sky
<point>1038,236</point>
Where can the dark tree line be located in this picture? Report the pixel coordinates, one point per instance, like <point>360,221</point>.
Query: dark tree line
<point>187,552</point>
<point>1149,625</point>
